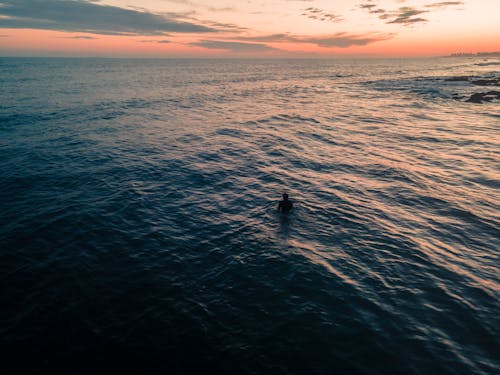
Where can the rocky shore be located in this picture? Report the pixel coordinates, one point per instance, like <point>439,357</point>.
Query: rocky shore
<point>479,97</point>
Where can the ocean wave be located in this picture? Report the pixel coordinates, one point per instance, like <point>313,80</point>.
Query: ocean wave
<point>489,63</point>
<point>140,218</point>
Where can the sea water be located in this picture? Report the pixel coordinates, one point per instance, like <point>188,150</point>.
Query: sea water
<point>139,228</point>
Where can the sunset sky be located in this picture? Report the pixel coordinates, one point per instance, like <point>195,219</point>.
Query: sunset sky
<point>253,28</point>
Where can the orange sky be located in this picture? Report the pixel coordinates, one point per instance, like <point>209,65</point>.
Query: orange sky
<point>223,28</point>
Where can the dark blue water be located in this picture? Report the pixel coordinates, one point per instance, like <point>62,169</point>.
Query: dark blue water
<point>139,230</point>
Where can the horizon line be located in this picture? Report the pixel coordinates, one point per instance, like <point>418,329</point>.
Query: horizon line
<point>341,57</point>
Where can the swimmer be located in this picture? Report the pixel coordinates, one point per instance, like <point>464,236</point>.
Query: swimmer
<point>285,205</point>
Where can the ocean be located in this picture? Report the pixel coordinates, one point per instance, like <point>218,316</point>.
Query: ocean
<point>139,229</point>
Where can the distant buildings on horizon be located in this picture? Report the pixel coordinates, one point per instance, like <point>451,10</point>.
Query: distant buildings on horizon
<point>479,54</point>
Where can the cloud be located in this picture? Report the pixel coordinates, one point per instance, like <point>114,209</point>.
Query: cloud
<point>222,9</point>
<point>271,38</point>
<point>321,15</point>
<point>344,40</point>
<point>208,7</point>
<point>373,9</point>
<point>444,4</point>
<point>162,41</point>
<point>405,15</point>
<point>81,37</point>
<point>233,46</point>
<point>340,40</point>
<point>368,6</point>
<point>91,17</point>
<point>220,26</point>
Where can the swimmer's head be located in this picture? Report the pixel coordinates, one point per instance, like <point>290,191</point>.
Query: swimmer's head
<point>285,196</point>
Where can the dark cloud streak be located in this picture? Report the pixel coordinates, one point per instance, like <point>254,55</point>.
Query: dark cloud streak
<point>444,4</point>
<point>340,40</point>
<point>163,41</point>
<point>81,37</point>
<point>405,15</point>
<point>88,16</point>
<point>344,40</point>
<point>321,15</point>
<point>233,46</point>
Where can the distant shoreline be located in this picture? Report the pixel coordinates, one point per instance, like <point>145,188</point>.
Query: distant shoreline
<point>478,54</point>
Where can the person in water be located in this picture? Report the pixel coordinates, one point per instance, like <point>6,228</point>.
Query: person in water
<point>285,205</point>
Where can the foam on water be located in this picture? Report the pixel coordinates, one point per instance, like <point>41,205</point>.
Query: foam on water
<point>139,223</point>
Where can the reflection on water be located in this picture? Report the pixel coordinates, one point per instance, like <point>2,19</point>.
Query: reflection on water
<point>140,227</point>
<point>285,222</point>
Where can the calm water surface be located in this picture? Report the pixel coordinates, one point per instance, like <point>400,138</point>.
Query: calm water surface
<point>139,231</point>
